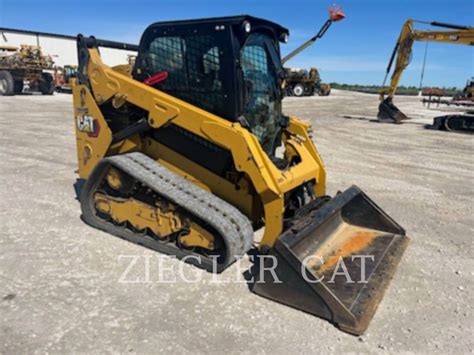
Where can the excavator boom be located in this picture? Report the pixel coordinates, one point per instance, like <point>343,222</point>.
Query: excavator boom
<point>401,55</point>
<point>335,14</point>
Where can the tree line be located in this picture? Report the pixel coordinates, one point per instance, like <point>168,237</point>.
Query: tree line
<point>401,90</point>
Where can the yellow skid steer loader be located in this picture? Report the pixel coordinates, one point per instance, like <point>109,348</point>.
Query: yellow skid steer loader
<point>189,152</point>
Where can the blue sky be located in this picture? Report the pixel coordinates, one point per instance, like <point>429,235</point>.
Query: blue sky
<point>355,50</point>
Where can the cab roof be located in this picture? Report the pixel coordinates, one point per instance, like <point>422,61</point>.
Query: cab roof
<point>228,20</point>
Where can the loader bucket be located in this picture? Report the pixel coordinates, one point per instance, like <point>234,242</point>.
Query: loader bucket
<point>319,261</point>
<point>388,112</point>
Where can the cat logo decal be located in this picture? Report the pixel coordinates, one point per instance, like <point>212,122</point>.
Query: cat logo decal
<point>89,125</point>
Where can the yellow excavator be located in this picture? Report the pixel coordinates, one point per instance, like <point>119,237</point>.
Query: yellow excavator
<point>388,112</point>
<point>188,152</point>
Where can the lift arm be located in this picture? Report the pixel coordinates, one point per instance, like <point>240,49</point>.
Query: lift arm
<point>96,41</point>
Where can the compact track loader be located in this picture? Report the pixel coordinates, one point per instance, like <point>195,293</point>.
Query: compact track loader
<point>189,152</point>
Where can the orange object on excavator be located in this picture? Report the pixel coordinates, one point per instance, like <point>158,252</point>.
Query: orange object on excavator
<point>336,13</point>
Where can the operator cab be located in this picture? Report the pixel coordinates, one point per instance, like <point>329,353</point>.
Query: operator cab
<point>228,66</point>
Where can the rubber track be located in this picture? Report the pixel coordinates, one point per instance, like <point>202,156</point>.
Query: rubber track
<point>234,228</point>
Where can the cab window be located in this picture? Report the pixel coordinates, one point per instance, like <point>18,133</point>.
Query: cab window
<point>194,69</point>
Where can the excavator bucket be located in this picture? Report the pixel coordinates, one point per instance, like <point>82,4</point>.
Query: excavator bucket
<point>336,262</point>
<point>388,112</point>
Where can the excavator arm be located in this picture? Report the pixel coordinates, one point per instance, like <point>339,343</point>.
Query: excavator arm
<point>336,14</point>
<point>401,54</point>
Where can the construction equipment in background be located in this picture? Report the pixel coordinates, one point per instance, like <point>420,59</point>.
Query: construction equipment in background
<point>335,14</point>
<point>26,63</point>
<point>455,122</point>
<point>301,82</point>
<point>63,76</point>
<point>467,93</point>
<point>388,112</point>
<point>55,79</point>
<point>191,152</point>
<point>432,92</point>
<point>131,60</point>
<point>463,98</point>
<point>462,122</point>
<point>434,96</point>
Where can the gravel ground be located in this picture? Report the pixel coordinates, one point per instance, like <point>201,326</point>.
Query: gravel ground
<point>61,280</point>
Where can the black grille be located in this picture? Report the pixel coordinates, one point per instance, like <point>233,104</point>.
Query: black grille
<point>210,156</point>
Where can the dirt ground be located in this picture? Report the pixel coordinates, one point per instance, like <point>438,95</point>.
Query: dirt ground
<point>61,287</point>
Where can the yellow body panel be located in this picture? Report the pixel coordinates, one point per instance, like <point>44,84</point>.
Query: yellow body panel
<point>139,214</point>
<point>143,216</point>
<point>262,193</point>
<point>93,135</point>
<point>188,169</point>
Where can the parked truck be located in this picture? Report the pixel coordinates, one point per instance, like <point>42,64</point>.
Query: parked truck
<point>26,63</point>
<point>302,82</point>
